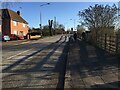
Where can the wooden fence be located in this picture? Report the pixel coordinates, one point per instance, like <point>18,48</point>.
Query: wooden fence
<point>109,43</point>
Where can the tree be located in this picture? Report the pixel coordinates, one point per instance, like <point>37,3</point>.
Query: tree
<point>46,31</point>
<point>118,32</point>
<point>99,19</point>
<point>80,29</point>
<point>99,16</point>
<point>59,28</point>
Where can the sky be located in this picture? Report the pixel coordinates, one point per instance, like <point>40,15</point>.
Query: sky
<point>65,12</point>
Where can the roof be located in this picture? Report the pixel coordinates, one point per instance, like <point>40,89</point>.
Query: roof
<point>12,15</point>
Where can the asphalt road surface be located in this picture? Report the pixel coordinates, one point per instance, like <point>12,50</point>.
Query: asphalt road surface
<point>34,64</point>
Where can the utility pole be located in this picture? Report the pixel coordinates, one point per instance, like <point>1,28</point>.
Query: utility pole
<point>54,25</point>
<point>41,18</point>
<point>40,25</point>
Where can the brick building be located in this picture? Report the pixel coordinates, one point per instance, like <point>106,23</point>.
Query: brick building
<point>13,23</point>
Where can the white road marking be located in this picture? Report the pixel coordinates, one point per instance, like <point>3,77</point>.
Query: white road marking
<point>23,51</point>
<point>22,43</point>
<point>18,54</point>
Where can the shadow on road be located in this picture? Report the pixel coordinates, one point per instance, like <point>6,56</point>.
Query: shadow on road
<point>61,67</point>
<point>28,56</point>
<point>43,68</point>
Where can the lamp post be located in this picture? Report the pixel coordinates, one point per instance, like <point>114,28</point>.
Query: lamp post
<point>41,18</point>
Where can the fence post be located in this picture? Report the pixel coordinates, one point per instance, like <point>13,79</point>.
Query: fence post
<point>101,41</point>
<point>116,42</point>
<point>105,41</point>
<point>96,38</point>
<point>109,43</point>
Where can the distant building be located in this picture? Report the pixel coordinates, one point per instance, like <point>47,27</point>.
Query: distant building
<point>13,23</point>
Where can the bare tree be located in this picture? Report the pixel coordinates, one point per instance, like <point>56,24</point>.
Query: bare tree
<point>80,29</point>
<point>99,16</point>
<point>99,19</point>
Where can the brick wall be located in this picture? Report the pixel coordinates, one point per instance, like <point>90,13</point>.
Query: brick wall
<point>6,27</point>
<point>18,28</point>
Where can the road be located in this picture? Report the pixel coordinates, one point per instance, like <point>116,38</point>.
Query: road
<point>34,64</point>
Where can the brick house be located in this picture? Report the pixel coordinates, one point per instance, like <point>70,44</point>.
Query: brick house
<point>13,23</point>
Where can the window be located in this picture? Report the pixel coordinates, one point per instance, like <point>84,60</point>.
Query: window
<point>23,25</point>
<point>14,23</point>
<point>15,32</point>
<point>24,33</point>
<point>21,33</point>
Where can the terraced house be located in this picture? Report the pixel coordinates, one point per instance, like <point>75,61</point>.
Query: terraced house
<point>13,23</point>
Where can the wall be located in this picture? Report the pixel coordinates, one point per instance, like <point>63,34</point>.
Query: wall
<point>19,27</point>
<point>6,27</point>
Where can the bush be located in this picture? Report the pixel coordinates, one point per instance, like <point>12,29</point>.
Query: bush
<point>46,32</point>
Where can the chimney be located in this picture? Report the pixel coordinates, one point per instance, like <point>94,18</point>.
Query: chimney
<point>18,12</point>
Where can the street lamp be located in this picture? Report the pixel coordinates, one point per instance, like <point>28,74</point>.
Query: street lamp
<point>41,18</point>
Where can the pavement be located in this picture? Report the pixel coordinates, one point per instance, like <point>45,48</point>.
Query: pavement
<point>90,68</point>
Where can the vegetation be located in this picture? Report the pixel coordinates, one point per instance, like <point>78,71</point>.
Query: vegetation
<point>80,29</point>
<point>46,31</point>
<point>58,29</point>
<point>118,32</point>
<point>99,19</point>
<point>99,16</point>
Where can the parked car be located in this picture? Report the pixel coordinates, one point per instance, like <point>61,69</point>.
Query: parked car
<point>21,37</point>
<point>5,38</point>
<point>13,37</point>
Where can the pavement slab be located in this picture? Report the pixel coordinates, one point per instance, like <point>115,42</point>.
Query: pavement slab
<point>89,67</point>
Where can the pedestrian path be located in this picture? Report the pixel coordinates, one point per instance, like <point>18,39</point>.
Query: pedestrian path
<point>90,67</point>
